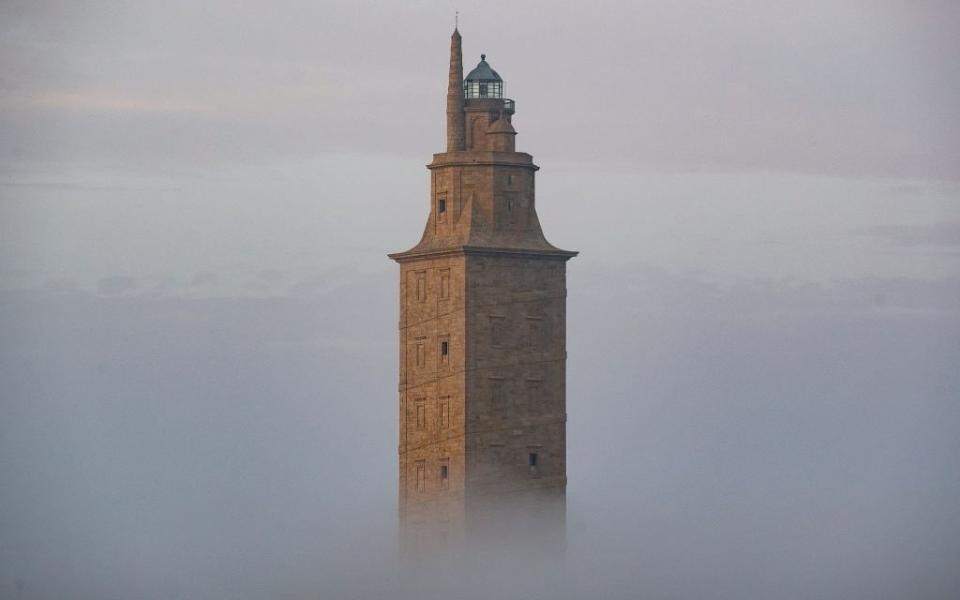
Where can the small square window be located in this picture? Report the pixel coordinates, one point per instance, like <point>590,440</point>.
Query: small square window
<point>444,475</point>
<point>532,459</point>
<point>445,350</point>
<point>442,208</point>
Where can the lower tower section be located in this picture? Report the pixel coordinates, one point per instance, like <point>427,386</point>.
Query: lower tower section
<point>482,451</point>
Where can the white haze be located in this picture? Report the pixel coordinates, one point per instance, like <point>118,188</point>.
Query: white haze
<point>198,320</point>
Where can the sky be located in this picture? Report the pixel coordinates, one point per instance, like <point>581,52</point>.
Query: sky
<point>198,318</point>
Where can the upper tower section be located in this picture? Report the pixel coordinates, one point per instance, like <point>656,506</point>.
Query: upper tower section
<point>482,189</point>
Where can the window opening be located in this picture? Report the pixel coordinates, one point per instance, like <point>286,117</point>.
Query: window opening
<point>444,351</point>
<point>421,476</point>
<point>444,475</point>
<point>421,416</point>
<point>421,286</point>
<point>445,413</point>
<point>444,284</point>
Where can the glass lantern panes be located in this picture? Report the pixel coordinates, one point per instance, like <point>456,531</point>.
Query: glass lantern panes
<point>483,89</point>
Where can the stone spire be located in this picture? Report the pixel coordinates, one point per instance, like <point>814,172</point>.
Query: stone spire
<point>456,138</point>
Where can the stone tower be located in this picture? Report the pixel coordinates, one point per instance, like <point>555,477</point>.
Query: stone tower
<point>482,329</point>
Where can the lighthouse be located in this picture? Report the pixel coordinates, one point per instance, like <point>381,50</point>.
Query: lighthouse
<point>482,332</point>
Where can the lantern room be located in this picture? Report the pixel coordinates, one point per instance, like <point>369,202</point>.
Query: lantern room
<point>483,82</point>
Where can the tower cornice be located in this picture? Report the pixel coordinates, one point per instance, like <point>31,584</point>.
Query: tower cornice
<point>554,254</point>
<point>480,158</point>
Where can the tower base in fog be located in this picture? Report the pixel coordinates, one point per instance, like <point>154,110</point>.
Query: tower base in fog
<point>532,520</point>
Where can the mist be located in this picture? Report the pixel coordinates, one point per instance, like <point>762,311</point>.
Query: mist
<point>198,321</point>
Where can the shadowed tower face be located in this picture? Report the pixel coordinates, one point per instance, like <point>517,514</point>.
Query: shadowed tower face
<point>482,331</point>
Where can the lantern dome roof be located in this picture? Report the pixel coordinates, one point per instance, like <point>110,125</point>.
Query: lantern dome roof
<point>483,72</point>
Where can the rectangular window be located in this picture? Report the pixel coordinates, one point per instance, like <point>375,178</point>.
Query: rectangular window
<point>421,286</point>
<point>421,356</point>
<point>532,459</point>
<point>444,284</point>
<point>444,416</point>
<point>445,351</point>
<point>421,476</point>
<point>444,475</point>
<point>421,415</point>
<point>442,208</point>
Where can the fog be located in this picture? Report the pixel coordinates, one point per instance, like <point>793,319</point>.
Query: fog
<point>198,322</point>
